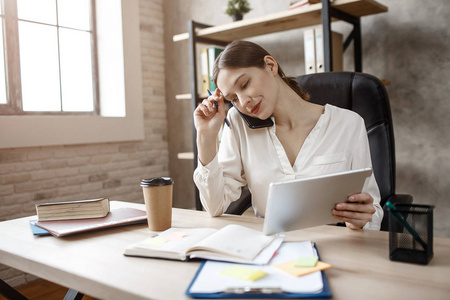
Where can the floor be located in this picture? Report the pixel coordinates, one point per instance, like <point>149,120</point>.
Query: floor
<point>44,290</point>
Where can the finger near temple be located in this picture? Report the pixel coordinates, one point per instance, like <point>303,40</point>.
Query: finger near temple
<point>219,98</point>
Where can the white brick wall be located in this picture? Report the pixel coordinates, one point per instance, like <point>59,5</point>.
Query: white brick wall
<point>62,173</point>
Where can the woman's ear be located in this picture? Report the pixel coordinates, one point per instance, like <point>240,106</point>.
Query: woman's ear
<point>271,64</point>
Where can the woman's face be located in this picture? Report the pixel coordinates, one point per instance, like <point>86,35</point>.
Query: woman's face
<point>252,90</point>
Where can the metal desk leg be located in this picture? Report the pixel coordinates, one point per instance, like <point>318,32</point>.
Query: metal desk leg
<point>9,292</point>
<point>73,295</point>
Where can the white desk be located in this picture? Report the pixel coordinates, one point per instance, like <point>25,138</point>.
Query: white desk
<point>94,264</point>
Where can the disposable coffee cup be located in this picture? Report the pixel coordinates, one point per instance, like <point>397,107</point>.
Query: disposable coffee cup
<point>158,202</point>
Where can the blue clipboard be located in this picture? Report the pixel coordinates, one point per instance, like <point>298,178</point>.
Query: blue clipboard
<point>325,293</point>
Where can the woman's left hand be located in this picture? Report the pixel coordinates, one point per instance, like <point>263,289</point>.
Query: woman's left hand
<point>356,212</point>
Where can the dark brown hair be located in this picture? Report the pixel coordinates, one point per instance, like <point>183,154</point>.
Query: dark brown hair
<point>244,54</point>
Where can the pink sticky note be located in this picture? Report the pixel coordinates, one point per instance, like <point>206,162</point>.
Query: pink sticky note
<point>289,267</point>
<point>176,235</point>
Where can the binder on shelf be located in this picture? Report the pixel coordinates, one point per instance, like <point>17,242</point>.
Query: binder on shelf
<point>310,51</point>
<point>205,70</point>
<point>337,48</point>
<point>314,52</point>
<point>213,52</point>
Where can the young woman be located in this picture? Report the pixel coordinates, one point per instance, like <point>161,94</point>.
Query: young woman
<point>306,140</point>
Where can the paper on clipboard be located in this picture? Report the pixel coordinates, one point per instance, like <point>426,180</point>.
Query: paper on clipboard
<point>211,281</point>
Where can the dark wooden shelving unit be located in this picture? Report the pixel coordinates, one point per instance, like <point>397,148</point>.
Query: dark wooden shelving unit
<point>323,13</point>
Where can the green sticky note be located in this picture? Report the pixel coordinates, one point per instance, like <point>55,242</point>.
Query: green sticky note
<point>243,273</point>
<point>306,261</point>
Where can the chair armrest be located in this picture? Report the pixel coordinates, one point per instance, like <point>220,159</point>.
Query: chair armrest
<point>394,199</point>
<point>239,206</point>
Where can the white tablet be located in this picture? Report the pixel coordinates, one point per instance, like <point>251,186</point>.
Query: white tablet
<point>307,202</point>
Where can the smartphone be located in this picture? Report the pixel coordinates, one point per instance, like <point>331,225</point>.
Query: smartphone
<point>254,123</point>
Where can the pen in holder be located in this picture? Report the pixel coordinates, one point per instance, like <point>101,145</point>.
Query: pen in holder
<point>410,233</point>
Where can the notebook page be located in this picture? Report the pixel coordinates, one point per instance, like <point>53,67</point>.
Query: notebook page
<point>235,240</point>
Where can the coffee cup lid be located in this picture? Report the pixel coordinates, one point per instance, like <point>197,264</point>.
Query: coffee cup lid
<point>157,181</point>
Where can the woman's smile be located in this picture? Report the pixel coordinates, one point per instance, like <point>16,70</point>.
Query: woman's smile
<point>255,109</point>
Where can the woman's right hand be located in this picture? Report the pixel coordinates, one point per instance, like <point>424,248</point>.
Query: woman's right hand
<point>208,118</point>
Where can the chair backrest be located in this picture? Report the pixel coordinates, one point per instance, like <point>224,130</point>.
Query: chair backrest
<point>366,95</point>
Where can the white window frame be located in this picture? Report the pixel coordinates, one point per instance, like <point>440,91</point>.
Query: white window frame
<point>50,130</point>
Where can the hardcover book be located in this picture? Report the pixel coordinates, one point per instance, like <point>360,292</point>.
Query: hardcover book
<point>73,210</point>
<point>117,217</point>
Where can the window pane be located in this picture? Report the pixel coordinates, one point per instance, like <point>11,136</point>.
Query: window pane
<point>43,11</point>
<point>39,67</point>
<point>76,70</point>
<point>3,97</point>
<point>74,13</point>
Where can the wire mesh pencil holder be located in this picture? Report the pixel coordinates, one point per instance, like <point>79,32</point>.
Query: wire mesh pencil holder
<point>411,233</point>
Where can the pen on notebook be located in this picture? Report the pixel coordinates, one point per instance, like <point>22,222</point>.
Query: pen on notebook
<point>217,107</point>
<point>393,210</point>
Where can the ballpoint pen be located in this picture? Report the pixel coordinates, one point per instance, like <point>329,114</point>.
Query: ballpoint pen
<point>393,210</point>
<point>217,107</point>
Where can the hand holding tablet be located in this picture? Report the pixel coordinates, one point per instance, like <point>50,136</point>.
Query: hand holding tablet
<point>356,212</point>
<point>308,202</point>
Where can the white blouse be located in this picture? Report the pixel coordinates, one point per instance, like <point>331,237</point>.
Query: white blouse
<point>255,157</point>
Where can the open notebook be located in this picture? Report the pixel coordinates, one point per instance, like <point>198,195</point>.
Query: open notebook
<point>233,243</point>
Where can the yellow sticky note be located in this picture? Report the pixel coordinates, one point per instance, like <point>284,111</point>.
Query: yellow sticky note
<point>243,273</point>
<point>176,235</point>
<point>306,261</point>
<point>290,268</point>
<point>155,241</point>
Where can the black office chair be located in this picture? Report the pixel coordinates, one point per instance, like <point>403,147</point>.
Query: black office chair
<point>366,95</point>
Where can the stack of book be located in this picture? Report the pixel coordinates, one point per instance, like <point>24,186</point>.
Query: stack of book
<point>66,218</point>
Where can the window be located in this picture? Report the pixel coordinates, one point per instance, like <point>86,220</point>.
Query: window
<point>3,97</point>
<point>56,47</point>
<point>118,83</point>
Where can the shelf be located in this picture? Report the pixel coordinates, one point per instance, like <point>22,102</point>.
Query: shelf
<point>183,97</point>
<point>186,155</point>
<point>285,20</point>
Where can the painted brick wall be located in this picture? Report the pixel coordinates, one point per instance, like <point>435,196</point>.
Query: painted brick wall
<point>49,174</point>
